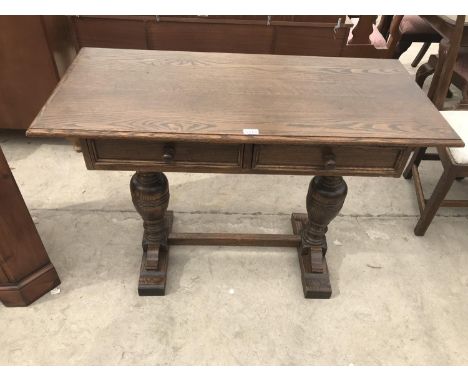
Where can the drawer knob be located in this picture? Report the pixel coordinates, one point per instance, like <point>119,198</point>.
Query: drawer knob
<point>330,161</point>
<point>169,153</point>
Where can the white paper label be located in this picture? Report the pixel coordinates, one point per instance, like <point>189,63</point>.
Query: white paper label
<point>250,131</point>
<point>55,291</point>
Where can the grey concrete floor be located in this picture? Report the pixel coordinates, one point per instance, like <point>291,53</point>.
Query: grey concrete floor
<point>398,298</point>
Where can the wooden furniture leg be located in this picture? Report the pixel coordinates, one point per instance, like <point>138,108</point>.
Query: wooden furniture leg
<point>448,52</point>
<point>463,105</point>
<point>421,54</point>
<point>401,48</point>
<point>415,160</point>
<point>325,199</point>
<point>150,196</point>
<point>425,70</point>
<point>26,272</point>
<point>435,201</point>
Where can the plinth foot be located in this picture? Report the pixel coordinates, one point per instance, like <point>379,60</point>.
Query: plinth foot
<point>314,285</point>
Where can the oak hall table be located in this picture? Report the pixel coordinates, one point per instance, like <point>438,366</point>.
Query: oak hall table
<point>160,111</point>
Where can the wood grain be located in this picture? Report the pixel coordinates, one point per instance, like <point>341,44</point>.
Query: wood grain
<point>34,53</point>
<point>190,96</point>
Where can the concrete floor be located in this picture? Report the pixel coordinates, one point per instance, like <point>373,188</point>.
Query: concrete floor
<point>398,298</point>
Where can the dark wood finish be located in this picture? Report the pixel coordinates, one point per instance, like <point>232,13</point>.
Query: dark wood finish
<point>384,25</point>
<point>412,29</point>
<point>452,33</point>
<point>425,70</point>
<point>429,207</point>
<point>325,199</point>
<point>34,53</point>
<point>202,37</point>
<point>452,171</point>
<point>140,155</point>
<point>362,31</point>
<point>208,97</point>
<point>421,54</point>
<point>241,239</point>
<point>459,76</point>
<point>307,159</point>
<point>170,156</point>
<point>301,35</point>
<point>26,272</point>
<point>310,40</point>
<point>367,40</point>
<point>416,159</point>
<point>110,32</point>
<point>314,284</point>
<point>180,111</point>
<point>150,196</point>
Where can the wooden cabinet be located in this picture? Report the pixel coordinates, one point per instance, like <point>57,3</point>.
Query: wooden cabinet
<point>295,35</point>
<point>26,272</point>
<point>35,51</point>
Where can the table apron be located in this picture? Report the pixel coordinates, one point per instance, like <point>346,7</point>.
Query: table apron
<point>300,159</point>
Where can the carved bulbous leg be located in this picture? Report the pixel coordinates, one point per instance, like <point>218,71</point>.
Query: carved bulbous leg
<point>324,201</point>
<point>150,196</point>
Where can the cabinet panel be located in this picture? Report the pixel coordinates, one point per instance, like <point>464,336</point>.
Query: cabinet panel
<point>207,37</point>
<point>110,33</point>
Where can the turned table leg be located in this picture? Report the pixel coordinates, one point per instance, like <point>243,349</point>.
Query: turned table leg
<point>324,200</point>
<point>150,196</point>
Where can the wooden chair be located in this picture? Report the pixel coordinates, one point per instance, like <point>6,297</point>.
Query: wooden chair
<point>455,164</point>
<point>448,51</point>
<point>415,29</point>
<point>366,40</point>
<point>459,76</point>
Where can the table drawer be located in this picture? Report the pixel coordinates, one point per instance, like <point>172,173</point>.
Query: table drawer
<point>352,160</point>
<point>166,156</point>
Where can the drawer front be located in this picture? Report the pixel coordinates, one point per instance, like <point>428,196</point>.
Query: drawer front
<point>343,160</point>
<point>165,156</point>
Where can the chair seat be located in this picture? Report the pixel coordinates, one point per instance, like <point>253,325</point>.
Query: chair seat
<point>461,65</point>
<point>459,122</point>
<point>415,29</point>
<point>376,38</point>
<point>414,25</point>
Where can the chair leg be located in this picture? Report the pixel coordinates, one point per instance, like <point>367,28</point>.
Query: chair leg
<point>463,105</point>
<point>423,72</point>
<point>401,48</point>
<point>421,54</point>
<point>415,160</point>
<point>433,204</point>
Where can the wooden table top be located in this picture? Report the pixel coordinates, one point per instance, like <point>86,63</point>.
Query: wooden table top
<point>161,95</point>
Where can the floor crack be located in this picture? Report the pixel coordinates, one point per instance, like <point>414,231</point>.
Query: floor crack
<point>255,213</point>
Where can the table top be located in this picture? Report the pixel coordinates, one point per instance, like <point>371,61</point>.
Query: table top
<point>161,95</point>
